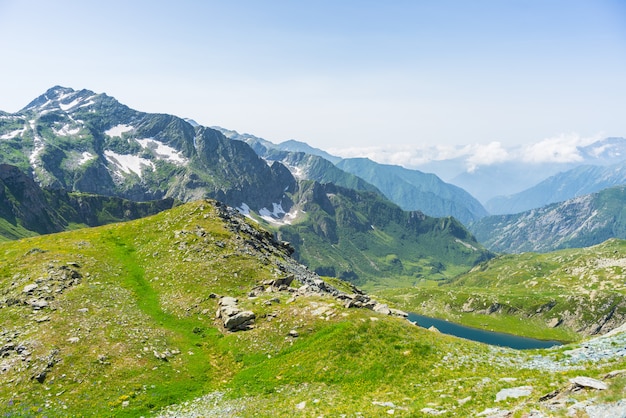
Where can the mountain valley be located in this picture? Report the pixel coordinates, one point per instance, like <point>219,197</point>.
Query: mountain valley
<point>151,266</point>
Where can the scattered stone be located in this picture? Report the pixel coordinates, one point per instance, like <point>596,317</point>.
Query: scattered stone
<point>464,400</point>
<point>494,413</point>
<point>615,373</point>
<point>588,382</point>
<point>301,405</point>
<point>30,287</point>
<point>434,329</point>
<point>73,340</point>
<point>517,392</point>
<point>228,301</point>
<point>386,404</point>
<point>382,308</point>
<point>293,333</point>
<point>554,322</point>
<point>256,291</point>
<point>38,304</point>
<point>433,411</point>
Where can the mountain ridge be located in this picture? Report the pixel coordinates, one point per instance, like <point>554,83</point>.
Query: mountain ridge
<point>578,222</point>
<point>581,180</point>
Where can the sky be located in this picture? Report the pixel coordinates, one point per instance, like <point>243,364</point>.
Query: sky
<point>388,79</point>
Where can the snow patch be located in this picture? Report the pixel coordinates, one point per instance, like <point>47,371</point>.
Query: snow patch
<point>272,215</point>
<point>244,209</point>
<point>278,216</point>
<point>465,244</point>
<point>86,156</point>
<point>118,130</point>
<point>66,131</point>
<point>127,163</point>
<point>89,103</point>
<point>38,144</point>
<point>70,105</point>
<point>13,134</point>
<point>74,102</point>
<point>297,172</point>
<point>162,151</point>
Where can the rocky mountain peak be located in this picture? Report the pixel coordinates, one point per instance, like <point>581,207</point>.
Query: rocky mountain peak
<point>59,98</point>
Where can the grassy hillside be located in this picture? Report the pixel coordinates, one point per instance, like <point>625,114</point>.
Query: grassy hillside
<point>120,321</point>
<point>564,294</point>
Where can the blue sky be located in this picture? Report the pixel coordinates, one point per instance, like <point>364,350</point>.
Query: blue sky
<point>340,75</point>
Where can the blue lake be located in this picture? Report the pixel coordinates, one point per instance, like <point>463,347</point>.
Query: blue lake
<point>474,334</point>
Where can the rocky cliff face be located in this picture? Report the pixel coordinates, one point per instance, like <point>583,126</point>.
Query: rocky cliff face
<point>23,202</point>
<point>30,209</point>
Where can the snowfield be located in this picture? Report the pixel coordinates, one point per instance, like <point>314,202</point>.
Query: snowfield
<point>127,163</point>
<point>118,130</point>
<point>163,151</point>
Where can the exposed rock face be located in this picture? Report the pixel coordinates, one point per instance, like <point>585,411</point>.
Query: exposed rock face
<point>22,199</point>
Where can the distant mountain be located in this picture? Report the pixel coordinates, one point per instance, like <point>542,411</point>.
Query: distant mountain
<point>410,189</point>
<point>579,222</point>
<point>82,141</point>
<point>489,181</point>
<point>519,172</point>
<point>70,141</point>
<point>312,167</point>
<point>414,190</point>
<point>261,145</point>
<point>578,181</point>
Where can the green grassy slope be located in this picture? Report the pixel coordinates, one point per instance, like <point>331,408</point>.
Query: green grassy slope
<point>565,294</point>
<point>121,322</point>
<point>364,238</point>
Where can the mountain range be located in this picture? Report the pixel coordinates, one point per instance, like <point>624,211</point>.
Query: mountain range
<point>581,180</point>
<point>237,307</point>
<point>79,141</point>
<point>409,189</point>
<point>579,222</point>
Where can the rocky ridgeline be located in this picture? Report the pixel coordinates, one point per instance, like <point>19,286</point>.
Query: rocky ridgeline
<point>263,245</point>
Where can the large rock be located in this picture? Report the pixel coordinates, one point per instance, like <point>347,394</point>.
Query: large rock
<point>240,321</point>
<point>588,382</point>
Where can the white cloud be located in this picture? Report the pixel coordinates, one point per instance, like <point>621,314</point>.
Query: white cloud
<point>481,155</point>
<point>405,155</point>
<point>563,148</point>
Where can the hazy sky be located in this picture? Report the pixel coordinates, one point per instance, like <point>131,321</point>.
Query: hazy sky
<point>336,74</point>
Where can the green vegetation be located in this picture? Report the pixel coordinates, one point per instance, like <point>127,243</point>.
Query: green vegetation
<point>129,328</point>
<point>561,295</point>
<point>367,240</point>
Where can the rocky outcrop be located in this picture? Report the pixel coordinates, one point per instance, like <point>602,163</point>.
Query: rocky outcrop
<point>40,293</point>
<point>234,318</point>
